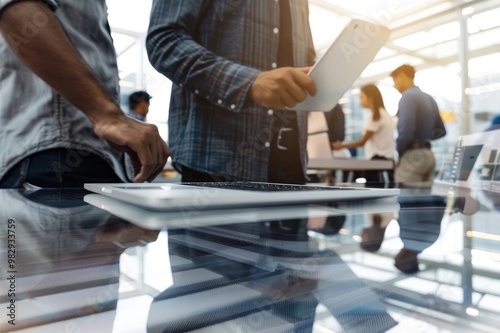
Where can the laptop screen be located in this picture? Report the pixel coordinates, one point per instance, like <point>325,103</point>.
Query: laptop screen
<point>474,163</point>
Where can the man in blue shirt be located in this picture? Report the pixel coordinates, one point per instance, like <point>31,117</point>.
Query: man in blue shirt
<point>419,122</point>
<point>235,66</point>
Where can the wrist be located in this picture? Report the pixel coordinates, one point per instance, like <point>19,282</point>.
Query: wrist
<point>104,118</point>
<point>103,111</point>
<point>252,91</point>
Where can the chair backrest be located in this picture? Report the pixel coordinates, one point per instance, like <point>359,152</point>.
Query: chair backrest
<point>318,140</point>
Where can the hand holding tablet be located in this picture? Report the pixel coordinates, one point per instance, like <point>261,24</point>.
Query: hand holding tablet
<point>344,61</point>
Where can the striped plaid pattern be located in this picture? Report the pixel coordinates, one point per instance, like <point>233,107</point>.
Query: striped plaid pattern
<point>212,50</point>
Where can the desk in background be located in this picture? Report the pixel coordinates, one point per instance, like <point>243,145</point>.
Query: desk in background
<point>349,165</point>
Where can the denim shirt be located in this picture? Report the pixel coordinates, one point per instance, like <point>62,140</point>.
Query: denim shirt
<point>33,117</point>
<point>212,50</point>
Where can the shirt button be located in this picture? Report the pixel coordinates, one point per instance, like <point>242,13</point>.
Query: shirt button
<point>276,30</point>
<point>267,145</point>
<point>233,106</point>
<point>181,85</point>
<point>270,112</point>
<point>274,65</point>
<point>219,101</point>
<point>197,91</point>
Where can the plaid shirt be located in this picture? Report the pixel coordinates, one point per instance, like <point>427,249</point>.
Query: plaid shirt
<point>212,50</point>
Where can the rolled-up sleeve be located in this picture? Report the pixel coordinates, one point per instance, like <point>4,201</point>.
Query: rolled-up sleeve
<point>52,4</point>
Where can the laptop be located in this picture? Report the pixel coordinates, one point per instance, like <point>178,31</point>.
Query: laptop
<point>474,163</point>
<point>344,61</point>
<point>472,170</point>
<point>218,195</point>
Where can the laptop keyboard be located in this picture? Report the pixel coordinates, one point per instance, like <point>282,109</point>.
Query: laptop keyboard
<point>269,187</point>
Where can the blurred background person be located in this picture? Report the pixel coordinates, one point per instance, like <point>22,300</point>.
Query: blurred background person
<point>419,122</point>
<point>378,138</point>
<point>138,103</point>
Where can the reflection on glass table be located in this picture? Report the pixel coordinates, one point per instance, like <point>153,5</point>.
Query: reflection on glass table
<point>262,277</point>
<point>437,267</point>
<point>65,258</point>
<point>337,267</point>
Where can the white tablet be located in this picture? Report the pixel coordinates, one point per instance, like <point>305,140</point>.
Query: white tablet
<point>344,61</point>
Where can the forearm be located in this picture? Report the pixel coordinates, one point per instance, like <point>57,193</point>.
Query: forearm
<point>38,40</point>
<point>352,144</point>
<point>174,51</point>
<point>220,81</point>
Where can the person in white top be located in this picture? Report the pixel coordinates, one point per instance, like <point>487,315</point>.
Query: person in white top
<point>378,138</point>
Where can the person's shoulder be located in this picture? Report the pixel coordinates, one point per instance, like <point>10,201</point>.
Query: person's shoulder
<point>384,115</point>
<point>413,91</point>
<point>416,91</point>
<point>134,115</point>
<point>384,112</point>
<point>414,94</point>
<point>429,98</point>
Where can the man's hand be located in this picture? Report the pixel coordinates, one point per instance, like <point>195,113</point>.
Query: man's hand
<point>282,87</point>
<point>140,140</point>
<point>51,56</point>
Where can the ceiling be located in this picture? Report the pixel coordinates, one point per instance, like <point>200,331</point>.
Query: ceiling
<point>424,33</point>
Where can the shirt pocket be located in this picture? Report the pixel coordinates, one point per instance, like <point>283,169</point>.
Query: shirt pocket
<point>224,8</point>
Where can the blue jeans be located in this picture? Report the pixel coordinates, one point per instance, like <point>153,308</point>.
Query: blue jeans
<point>58,168</point>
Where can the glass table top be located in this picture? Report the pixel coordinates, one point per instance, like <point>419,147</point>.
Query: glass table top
<point>420,262</point>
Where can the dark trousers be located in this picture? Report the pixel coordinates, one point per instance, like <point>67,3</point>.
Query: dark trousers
<point>58,168</point>
<point>376,176</point>
<point>191,175</point>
